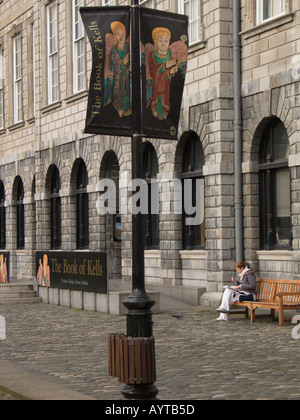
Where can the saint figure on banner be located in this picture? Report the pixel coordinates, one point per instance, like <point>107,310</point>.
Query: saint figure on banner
<point>116,73</point>
<point>163,61</point>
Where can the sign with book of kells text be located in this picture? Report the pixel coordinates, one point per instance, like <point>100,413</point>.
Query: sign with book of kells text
<point>163,60</point>
<point>85,271</point>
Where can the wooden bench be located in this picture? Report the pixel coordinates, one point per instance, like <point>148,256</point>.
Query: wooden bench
<point>276,295</point>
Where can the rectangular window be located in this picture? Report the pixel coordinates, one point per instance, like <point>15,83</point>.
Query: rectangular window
<point>17,78</point>
<point>1,89</point>
<point>79,82</point>
<point>33,71</point>
<point>268,9</point>
<point>191,8</point>
<point>52,53</point>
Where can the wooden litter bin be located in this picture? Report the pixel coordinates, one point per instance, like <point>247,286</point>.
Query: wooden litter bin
<point>132,360</point>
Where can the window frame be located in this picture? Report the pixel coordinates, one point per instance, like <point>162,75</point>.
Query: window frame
<point>1,88</point>
<point>151,220</point>
<point>17,80</point>
<point>2,217</point>
<point>182,10</point>
<point>82,208</point>
<point>78,42</point>
<point>52,55</point>
<point>260,11</point>
<point>55,204</point>
<point>268,169</point>
<point>108,3</point>
<point>20,215</point>
<point>189,232</point>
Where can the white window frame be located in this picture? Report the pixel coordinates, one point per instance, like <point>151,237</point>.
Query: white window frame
<point>17,78</point>
<point>52,52</point>
<point>109,3</point>
<point>33,70</point>
<point>79,73</point>
<point>147,3</point>
<point>1,89</point>
<point>260,18</point>
<point>185,8</point>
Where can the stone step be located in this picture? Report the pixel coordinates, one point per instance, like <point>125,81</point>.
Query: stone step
<point>15,300</point>
<point>21,293</point>
<point>16,286</point>
<point>18,292</point>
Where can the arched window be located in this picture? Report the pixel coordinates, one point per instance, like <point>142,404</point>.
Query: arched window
<point>82,207</point>
<point>20,215</point>
<point>151,219</point>
<point>275,188</point>
<point>55,210</point>
<point>2,217</point>
<point>192,170</point>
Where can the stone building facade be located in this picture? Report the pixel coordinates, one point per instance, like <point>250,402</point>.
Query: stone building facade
<point>44,155</point>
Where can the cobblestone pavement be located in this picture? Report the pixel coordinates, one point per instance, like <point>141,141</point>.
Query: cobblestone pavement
<point>5,397</point>
<point>196,356</point>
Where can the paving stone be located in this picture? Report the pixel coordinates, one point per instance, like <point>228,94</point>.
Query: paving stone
<point>196,356</point>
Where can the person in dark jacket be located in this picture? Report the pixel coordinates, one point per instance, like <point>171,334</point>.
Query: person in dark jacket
<point>245,289</point>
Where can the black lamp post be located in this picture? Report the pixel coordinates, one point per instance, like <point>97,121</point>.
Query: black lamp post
<point>138,303</point>
<point>132,356</point>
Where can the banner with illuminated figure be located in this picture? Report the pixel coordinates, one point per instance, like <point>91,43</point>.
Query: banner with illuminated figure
<point>164,43</point>
<point>116,71</point>
<point>164,54</point>
<point>109,107</point>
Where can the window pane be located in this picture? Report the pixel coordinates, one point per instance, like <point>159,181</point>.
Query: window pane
<point>1,88</point>
<point>191,8</point>
<point>79,31</point>
<point>283,207</point>
<point>1,108</point>
<point>277,7</point>
<point>52,54</point>
<point>267,9</point>
<point>281,143</point>
<point>275,144</point>
<point>52,29</point>
<point>79,83</point>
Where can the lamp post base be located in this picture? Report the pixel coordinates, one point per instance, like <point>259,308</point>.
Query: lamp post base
<point>140,392</point>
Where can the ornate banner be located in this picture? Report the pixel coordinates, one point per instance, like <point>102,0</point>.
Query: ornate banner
<point>164,40</point>
<point>164,54</point>
<point>109,106</point>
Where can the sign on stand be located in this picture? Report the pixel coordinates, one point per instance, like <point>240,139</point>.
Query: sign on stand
<point>85,271</point>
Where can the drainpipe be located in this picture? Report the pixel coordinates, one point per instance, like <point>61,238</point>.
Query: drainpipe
<point>237,125</point>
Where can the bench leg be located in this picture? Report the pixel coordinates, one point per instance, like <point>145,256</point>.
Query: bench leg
<point>273,314</point>
<point>281,318</point>
<point>247,312</point>
<point>252,315</point>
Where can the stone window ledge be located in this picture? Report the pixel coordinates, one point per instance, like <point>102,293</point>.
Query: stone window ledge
<point>268,25</point>
<point>281,255</point>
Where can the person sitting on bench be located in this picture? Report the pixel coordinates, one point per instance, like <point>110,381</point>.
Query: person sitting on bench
<point>245,290</point>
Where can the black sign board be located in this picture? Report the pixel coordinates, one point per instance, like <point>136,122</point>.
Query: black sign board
<point>164,54</point>
<point>85,271</point>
